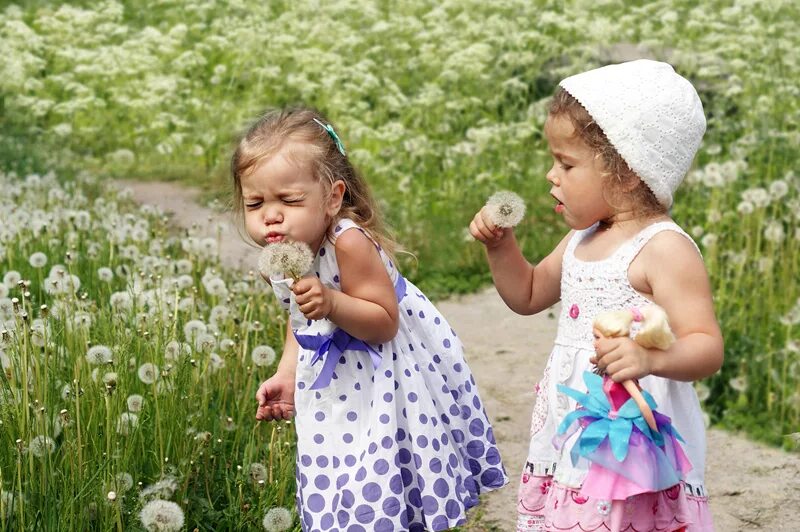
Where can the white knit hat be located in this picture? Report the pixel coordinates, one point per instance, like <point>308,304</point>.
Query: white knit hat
<point>650,114</point>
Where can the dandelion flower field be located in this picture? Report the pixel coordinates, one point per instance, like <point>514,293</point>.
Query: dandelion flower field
<point>131,358</point>
<point>130,363</point>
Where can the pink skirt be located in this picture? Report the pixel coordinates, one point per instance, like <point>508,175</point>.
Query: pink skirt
<point>544,504</point>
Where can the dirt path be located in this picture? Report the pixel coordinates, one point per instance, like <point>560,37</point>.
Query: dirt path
<point>752,487</point>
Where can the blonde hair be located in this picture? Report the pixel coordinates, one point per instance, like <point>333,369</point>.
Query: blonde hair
<point>278,127</point>
<point>654,333</point>
<point>620,180</point>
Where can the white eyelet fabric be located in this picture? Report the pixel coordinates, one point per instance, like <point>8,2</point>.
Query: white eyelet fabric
<point>650,114</point>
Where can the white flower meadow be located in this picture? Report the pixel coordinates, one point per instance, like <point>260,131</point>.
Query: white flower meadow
<point>263,356</point>
<point>162,516</point>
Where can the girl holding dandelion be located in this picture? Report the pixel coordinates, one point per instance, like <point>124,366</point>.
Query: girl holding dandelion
<point>391,431</point>
<point>622,138</point>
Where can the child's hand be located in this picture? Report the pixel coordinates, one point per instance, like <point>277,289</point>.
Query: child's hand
<point>275,398</point>
<point>314,299</point>
<point>620,358</point>
<point>484,230</point>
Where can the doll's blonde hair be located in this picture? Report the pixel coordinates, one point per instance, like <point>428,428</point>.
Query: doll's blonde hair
<point>654,333</point>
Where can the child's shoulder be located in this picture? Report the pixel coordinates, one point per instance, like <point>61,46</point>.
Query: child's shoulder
<point>670,247</point>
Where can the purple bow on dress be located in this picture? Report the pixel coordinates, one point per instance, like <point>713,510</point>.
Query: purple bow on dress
<point>331,346</point>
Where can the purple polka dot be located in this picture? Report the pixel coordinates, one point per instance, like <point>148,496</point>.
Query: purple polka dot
<point>384,525</point>
<point>454,410</point>
<point>336,462</point>
<point>384,418</point>
<point>381,467</point>
<point>322,482</point>
<point>412,397</point>
<point>373,447</point>
<point>303,480</point>
<point>321,252</point>
<point>343,518</point>
<point>466,412</point>
<point>356,528</point>
<point>476,403</point>
<point>404,455</point>
<point>371,491</point>
<point>423,419</point>
<point>492,478</point>
<point>322,461</point>
<point>301,385</point>
<point>348,498</point>
<point>387,442</point>
<point>326,521</point>
<point>436,465</point>
<point>357,386</point>
<point>415,498</point>
<point>422,441</point>
<point>418,463</point>
<point>457,366</point>
<point>421,314</point>
<point>435,444</point>
<point>396,484</point>
<point>352,416</point>
<point>475,448</point>
<point>410,312</point>
<point>474,467</point>
<point>391,506</point>
<point>438,360</point>
<point>305,460</point>
<point>407,373</point>
<point>342,480</point>
<point>308,519</point>
<point>416,527</point>
<point>387,397</point>
<point>440,523</point>
<point>452,509</point>
<point>315,502</point>
<point>361,474</point>
<point>446,343</point>
<point>400,435</point>
<point>406,476</point>
<point>437,320</point>
<point>453,460</point>
<point>365,513</point>
<point>476,427</point>
<point>319,438</point>
<point>430,505</point>
<point>493,456</point>
<point>335,278</point>
<point>458,436</point>
<point>349,460</point>
<point>286,300</point>
<point>319,416</point>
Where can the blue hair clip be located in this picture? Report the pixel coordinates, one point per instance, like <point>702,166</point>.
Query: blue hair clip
<point>333,135</point>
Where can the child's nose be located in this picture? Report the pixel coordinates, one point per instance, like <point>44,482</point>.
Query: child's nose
<point>552,177</point>
<point>272,215</point>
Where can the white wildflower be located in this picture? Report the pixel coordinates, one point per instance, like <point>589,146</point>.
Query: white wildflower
<point>163,489</point>
<point>774,232</point>
<point>291,259</point>
<point>193,329</point>
<point>98,354</point>
<point>709,240</point>
<point>215,362</point>
<point>277,520</point>
<point>258,472</point>
<point>105,274</point>
<point>148,373</point>
<point>505,209</point>
<point>38,260</point>
<point>205,342</point>
<point>263,355</point>
<point>135,403</point>
<point>11,278</point>
<point>739,383</point>
<point>41,446</point>
<point>226,344</point>
<point>778,189</point>
<point>161,516</point>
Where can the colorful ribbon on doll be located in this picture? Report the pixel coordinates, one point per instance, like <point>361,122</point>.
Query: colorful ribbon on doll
<point>331,346</point>
<point>596,409</point>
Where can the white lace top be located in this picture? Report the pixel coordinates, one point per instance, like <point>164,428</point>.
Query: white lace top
<point>588,288</point>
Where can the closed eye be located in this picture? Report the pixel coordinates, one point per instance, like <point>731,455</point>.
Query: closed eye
<point>252,204</point>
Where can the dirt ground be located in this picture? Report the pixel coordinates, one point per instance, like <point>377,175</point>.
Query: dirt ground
<point>751,486</point>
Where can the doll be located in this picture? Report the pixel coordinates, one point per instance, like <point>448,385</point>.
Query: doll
<point>627,457</point>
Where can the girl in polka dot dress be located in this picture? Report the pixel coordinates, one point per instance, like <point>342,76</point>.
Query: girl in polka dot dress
<point>391,431</point>
<point>622,137</point>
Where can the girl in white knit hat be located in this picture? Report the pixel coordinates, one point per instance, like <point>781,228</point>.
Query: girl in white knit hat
<point>622,138</point>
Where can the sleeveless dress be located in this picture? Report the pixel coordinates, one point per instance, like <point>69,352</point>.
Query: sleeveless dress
<point>390,436</point>
<point>549,496</point>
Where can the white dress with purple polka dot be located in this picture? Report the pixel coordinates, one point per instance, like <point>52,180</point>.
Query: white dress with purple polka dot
<point>405,445</point>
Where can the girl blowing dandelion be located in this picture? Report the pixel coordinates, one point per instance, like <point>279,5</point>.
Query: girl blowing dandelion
<point>622,138</point>
<point>391,431</point>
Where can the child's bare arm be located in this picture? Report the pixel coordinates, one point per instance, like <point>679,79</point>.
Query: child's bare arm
<point>678,281</point>
<point>525,288</point>
<point>275,395</point>
<point>366,307</point>
<point>681,286</point>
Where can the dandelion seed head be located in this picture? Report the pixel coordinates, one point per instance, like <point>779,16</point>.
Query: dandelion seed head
<point>41,446</point>
<point>162,516</point>
<point>105,274</point>
<point>291,259</point>
<point>505,209</point>
<point>148,373</point>
<point>257,471</point>
<point>38,260</point>
<point>739,383</point>
<point>98,355</point>
<point>263,355</point>
<point>277,519</point>
<point>126,423</point>
<point>135,403</point>
<point>163,489</point>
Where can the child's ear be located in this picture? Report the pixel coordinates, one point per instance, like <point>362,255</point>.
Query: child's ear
<point>336,197</point>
